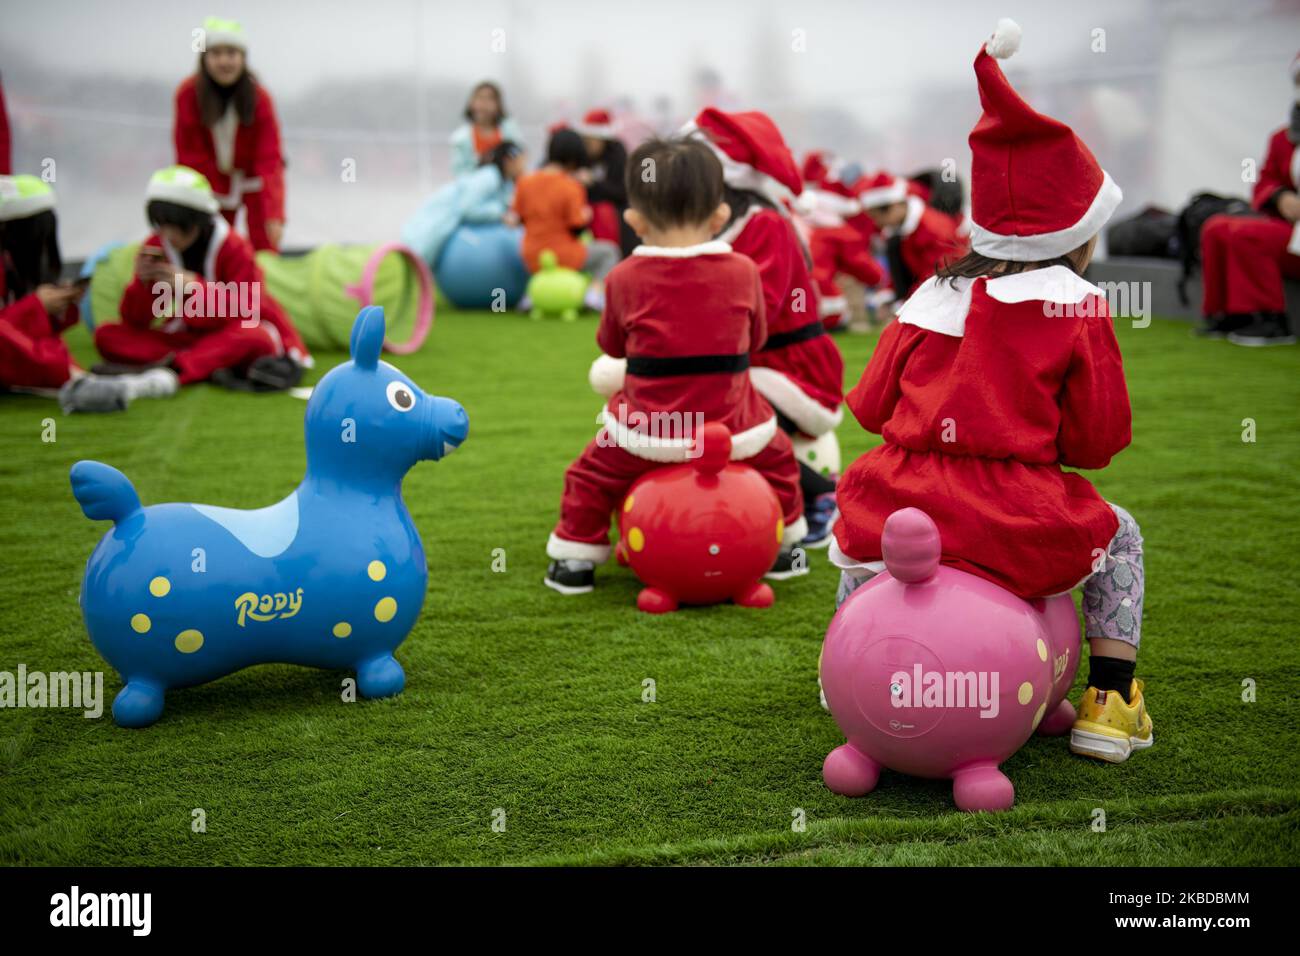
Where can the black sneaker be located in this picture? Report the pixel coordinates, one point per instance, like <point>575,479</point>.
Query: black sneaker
<point>789,564</point>
<point>1218,326</point>
<point>1269,328</point>
<point>571,577</point>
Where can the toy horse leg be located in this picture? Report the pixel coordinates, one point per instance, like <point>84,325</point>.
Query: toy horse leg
<point>982,786</point>
<point>656,601</point>
<point>758,594</point>
<point>138,704</point>
<point>1059,721</point>
<point>849,772</point>
<point>380,677</point>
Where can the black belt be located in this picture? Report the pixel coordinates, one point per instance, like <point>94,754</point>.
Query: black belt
<point>801,334</point>
<point>655,367</point>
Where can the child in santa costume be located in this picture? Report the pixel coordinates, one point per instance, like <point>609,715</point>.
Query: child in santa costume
<point>225,127</point>
<point>1000,371</point>
<point>916,237</point>
<point>799,368</point>
<point>683,312</point>
<point>606,188</point>
<point>1244,258</point>
<point>36,308</point>
<point>837,248</point>
<point>197,303</point>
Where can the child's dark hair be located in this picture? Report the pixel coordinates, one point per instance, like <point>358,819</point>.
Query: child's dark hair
<point>674,182</point>
<point>500,154</point>
<point>974,266</point>
<point>496,91</point>
<point>159,212</point>
<point>29,252</point>
<point>566,149</point>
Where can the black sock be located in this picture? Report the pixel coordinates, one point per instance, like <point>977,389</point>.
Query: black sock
<point>1111,673</point>
<point>813,483</point>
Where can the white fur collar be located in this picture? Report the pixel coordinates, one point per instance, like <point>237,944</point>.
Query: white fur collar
<point>714,247</point>
<point>940,305</point>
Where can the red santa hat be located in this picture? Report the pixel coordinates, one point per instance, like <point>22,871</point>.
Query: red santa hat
<point>1037,192</point>
<point>882,189</point>
<point>597,124</point>
<point>753,154</point>
<point>815,169</point>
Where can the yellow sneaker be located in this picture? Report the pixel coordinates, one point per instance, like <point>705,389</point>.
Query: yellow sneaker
<point>1110,729</point>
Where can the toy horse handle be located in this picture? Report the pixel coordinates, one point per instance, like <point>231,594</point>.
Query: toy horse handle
<point>910,545</point>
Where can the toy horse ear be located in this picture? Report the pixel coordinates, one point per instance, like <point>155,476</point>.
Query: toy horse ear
<point>368,336</point>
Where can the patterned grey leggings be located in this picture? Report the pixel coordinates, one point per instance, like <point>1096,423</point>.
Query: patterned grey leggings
<point>1112,595</point>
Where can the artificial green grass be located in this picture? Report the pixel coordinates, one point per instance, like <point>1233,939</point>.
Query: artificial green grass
<point>521,700</point>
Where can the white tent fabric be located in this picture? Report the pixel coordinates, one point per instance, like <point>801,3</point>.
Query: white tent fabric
<point>1179,95</point>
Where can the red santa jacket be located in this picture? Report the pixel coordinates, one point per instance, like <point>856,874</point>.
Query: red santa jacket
<point>982,393</point>
<point>927,238</point>
<point>231,279</point>
<point>256,175</point>
<point>1280,172</point>
<point>839,250</point>
<point>686,320</point>
<point>799,369</point>
<point>31,353</point>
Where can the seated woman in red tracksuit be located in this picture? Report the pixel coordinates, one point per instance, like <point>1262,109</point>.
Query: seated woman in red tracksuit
<point>197,303</point>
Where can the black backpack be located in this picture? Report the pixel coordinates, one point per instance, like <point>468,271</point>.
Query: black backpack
<point>1188,234</point>
<point>1152,232</point>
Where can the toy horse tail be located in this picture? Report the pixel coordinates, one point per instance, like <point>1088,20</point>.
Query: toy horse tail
<point>104,493</point>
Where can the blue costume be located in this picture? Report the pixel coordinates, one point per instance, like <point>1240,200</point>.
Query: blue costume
<point>481,195</point>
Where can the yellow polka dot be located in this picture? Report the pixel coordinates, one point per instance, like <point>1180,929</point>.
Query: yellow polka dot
<point>187,642</point>
<point>627,505</point>
<point>376,570</point>
<point>1026,693</point>
<point>140,623</point>
<point>780,531</point>
<point>636,539</point>
<point>342,629</point>
<point>1042,650</point>
<point>385,610</point>
<point>159,587</point>
<point>1038,717</point>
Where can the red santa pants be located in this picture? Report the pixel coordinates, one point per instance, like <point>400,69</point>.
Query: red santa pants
<point>31,354</point>
<point>1243,260</point>
<point>596,484</point>
<point>197,354</point>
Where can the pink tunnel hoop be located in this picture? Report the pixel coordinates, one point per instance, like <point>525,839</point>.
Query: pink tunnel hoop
<point>364,292</point>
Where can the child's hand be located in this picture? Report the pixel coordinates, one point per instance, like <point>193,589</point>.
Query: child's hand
<point>56,299</point>
<point>1288,204</point>
<point>511,218</point>
<point>583,175</point>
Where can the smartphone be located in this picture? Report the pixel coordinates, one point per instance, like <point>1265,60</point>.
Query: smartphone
<point>80,284</point>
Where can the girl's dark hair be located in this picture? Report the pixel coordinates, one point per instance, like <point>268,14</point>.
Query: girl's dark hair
<point>496,91</point>
<point>566,149</point>
<point>686,186</point>
<point>499,154</point>
<point>975,266</point>
<point>159,212</point>
<point>29,251</point>
<point>213,97</point>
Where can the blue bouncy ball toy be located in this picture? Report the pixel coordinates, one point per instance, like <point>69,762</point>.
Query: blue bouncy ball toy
<point>479,259</point>
<point>332,576</point>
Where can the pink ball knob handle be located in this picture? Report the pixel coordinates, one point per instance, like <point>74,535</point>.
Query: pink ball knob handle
<point>910,545</point>
<point>712,448</point>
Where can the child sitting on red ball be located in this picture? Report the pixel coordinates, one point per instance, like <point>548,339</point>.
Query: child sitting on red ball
<point>686,313</point>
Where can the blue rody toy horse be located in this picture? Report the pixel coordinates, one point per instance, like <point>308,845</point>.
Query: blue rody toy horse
<point>332,576</point>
